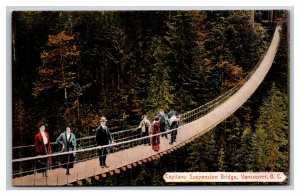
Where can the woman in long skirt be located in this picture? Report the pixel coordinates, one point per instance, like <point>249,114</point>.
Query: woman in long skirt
<point>155,140</point>
<point>68,142</point>
<point>42,147</point>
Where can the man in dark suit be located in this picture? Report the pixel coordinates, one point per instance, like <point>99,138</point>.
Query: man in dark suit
<point>103,137</point>
<point>163,122</point>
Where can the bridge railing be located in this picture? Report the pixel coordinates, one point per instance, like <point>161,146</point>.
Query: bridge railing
<point>84,142</point>
<point>209,106</point>
<point>28,151</point>
<point>94,151</point>
<point>123,139</point>
<point>122,135</point>
<point>127,134</point>
<point>129,141</point>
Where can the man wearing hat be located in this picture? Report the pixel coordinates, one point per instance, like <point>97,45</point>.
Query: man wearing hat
<point>103,137</point>
<point>163,123</point>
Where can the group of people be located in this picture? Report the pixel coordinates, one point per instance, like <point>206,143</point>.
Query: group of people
<point>42,144</point>
<point>161,124</point>
<point>67,140</point>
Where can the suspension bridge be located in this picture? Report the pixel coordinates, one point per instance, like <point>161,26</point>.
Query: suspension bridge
<point>128,151</point>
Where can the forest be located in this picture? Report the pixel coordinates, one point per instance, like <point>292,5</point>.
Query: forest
<point>72,67</point>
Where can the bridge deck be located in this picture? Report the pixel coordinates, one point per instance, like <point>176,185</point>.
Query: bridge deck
<point>83,170</point>
<point>196,128</point>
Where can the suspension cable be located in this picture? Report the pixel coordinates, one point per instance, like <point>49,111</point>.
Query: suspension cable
<point>185,116</point>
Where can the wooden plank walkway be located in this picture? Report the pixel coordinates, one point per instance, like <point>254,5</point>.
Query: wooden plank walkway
<point>91,168</point>
<point>128,158</point>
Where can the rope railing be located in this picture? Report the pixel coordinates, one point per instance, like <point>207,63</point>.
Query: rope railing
<point>93,148</point>
<point>130,141</point>
<point>88,165</point>
<point>118,137</point>
<point>203,107</point>
<point>118,145</point>
<point>186,118</point>
<point>78,139</point>
<point>207,105</point>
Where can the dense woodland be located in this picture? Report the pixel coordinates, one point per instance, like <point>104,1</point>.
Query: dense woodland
<point>74,67</point>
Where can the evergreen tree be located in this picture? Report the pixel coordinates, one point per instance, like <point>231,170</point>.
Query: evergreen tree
<point>244,161</point>
<point>228,134</point>
<point>232,44</point>
<point>182,44</point>
<point>130,63</point>
<point>160,92</point>
<point>58,65</point>
<point>259,151</point>
<point>202,154</point>
<point>280,68</point>
<point>246,39</point>
<point>274,120</point>
<point>58,71</point>
<point>221,160</point>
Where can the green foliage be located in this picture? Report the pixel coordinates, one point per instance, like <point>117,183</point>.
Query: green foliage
<point>248,40</point>
<point>182,45</point>
<point>274,120</point>
<point>124,64</point>
<point>221,160</point>
<point>244,161</point>
<point>231,44</point>
<point>202,154</point>
<point>259,151</point>
<point>58,67</point>
<point>280,69</point>
<point>160,89</point>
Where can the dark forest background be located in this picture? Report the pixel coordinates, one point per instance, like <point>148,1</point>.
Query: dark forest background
<point>74,67</point>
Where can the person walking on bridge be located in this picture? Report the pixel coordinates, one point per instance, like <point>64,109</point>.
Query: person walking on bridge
<point>42,146</point>
<point>155,139</point>
<point>174,125</point>
<point>145,125</point>
<point>163,122</point>
<point>103,137</point>
<point>68,142</point>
